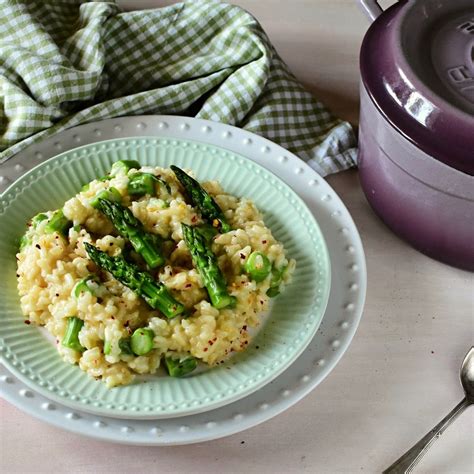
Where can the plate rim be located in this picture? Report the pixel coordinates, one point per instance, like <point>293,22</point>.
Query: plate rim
<point>226,399</point>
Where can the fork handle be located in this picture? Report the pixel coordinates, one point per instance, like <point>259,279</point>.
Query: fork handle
<point>412,457</point>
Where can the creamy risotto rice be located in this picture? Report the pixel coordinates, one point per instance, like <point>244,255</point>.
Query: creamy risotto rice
<point>50,266</point>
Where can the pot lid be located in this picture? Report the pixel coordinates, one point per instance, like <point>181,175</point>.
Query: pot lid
<point>417,64</point>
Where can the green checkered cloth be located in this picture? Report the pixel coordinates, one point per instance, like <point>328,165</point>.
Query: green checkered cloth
<point>69,62</point>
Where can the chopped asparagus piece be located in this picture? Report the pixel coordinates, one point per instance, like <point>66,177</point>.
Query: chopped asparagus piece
<point>124,166</point>
<point>24,242</point>
<point>206,263</point>
<point>141,341</point>
<point>142,283</point>
<point>258,266</point>
<point>37,219</point>
<point>83,286</point>
<point>199,197</point>
<point>107,347</point>
<point>71,338</point>
<point>109,194</point>
<point>275,282</point>
<point>58,223</point>
<point>180,368</point>
<point>140,184</point>
<point>125,346</point>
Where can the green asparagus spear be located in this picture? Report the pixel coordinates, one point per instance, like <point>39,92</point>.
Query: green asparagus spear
<point>154,293</point>
<point>208,232</point>
<point>206,263</point>
<point>179,368</point>
<point>124,166</point>
<point>258,266</point>
<point>129,227</point>
<point>202,200</point>
<point>58,223</point>
<point>71,338</point>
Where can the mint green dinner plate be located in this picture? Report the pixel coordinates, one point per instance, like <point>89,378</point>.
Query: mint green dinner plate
<point>293,320</point>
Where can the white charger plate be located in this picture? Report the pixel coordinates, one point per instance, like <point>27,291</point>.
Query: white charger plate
<point>342,316</point>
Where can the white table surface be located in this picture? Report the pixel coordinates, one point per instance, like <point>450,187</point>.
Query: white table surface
<point>399,376</point>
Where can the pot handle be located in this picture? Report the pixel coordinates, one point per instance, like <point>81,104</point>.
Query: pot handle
<point>372,8</point>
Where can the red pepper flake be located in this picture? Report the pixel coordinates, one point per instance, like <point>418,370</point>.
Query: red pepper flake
<point>261,301</point>
<point>38,246</point>
<point>244,328</point>
<point>205,349</point>
<point>210,342</point>
<point>27,321</point>
<point>242,255</point>
<point>188,285</point>
<point>112,317</point>
<point>194,219</point>
<point>264,241</point>
<point>215,339</point>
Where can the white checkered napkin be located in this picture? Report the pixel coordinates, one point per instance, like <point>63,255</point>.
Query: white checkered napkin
<point>68,62</point>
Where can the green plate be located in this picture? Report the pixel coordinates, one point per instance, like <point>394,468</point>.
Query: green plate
<point>293,320</point>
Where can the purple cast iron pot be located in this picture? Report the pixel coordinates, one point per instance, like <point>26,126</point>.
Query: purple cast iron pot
<point>416,135</point>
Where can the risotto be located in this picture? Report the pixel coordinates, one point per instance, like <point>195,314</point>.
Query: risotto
<point>139,269</point>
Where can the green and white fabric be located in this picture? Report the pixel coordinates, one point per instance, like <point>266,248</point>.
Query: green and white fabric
<point>68,62</point>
